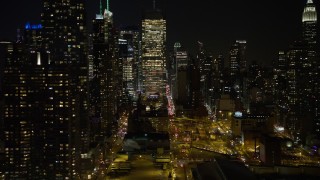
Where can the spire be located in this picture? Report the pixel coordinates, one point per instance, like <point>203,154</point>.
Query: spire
<point>107,13</point>
<point>101,7</point>
<point>310,2</point>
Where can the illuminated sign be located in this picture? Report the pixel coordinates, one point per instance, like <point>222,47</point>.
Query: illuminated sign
<point>238,114</point>
<point>28,26</point>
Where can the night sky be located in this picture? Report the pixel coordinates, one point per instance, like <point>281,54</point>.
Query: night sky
<point>267,25</point>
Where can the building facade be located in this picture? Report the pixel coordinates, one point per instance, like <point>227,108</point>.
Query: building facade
<point>46,95</point>
<point>153,53</point>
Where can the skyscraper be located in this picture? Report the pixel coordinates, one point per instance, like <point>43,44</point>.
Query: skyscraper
<point>296,75</point>
<point>280,86</point>
<point>16,122</point>
<point>129,55</point>
<point>153,52</point>
<point>179,63</point>
<point>112,77</point>
<point>299,91</point>
<point>64,36</point>
<point>104,86</point>
<point>98,52</point>
<point>238,65</point>
<point>310,36</point>
<point>46,99</point>
<point>309,24</point>
<point>196,97</point>
<point>206,72</point>
<point>237,57</point>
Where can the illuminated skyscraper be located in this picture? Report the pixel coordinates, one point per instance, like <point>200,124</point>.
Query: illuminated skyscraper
<point>237,57</point>
<point>310,36</point>
<point>293,56</point>
<point>299,98</point>
<point>46,99</point>
<point>299,91</point>
<point>238,65</point>
<point>280,94</point>
<point>16,122</point>
<point>99,75</point>
<point>27,113</point>
<point>179,65</point>
<point>112,73</point>
<point>153,52</point>
<point>106,84</point>
<point>206,72</point>
<point>309,23</point>
<point>129,56</point>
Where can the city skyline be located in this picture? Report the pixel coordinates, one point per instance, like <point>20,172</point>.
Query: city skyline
<point>268,26</point>
<point>148,89</point>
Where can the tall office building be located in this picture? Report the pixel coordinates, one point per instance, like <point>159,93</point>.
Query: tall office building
<point>299,91</point>
<point>98,94</point>
<point>300,63</point>
<point>179,65</point>
<point>280,87</point>
<point>153,53</point>
<point>104,86</point>
<point>196,97</point>
<point>237,59</point>
<point>280,78</point>
<point>238,65</point>
<point>217,80</point>
<point>206,72</point>
<point>129,40</point>
<point>112,80</point>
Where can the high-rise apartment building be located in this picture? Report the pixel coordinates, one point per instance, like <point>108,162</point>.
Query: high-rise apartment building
<point>16,125</point>
<point>153,53</point>
<point>46,96</point>
<point>64,36</point>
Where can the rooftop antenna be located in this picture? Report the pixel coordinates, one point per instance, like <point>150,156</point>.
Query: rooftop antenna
<point>154,4</point>
<point>108,7</point>
<point>100,6</point>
